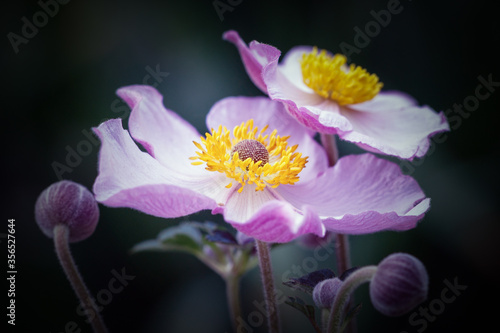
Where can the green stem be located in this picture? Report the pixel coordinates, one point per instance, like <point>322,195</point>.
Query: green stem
<point>353,281</point>
<point>344,263</point>
<point>61,233</point>
<point>328,142</point>
<point>233,299</point>
<point>342,252</point>
<point>266,272</point>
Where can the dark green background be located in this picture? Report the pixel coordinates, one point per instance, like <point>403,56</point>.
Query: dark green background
<point>63,82</point>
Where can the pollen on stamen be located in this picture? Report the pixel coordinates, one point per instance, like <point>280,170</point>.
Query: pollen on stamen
<point>330,78</point>
<point>250,157</point>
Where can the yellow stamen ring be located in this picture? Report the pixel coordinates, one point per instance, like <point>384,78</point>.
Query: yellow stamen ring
<point>241,156</point>
<point>329,77</point>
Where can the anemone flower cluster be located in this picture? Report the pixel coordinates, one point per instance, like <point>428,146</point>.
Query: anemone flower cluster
<point>282,190</point>
<point>260,166</point>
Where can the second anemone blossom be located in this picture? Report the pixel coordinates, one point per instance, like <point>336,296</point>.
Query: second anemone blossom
<point>325,94</point>
<point>257,166</point>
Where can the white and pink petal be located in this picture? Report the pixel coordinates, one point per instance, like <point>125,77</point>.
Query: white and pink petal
<point>290,69</point>
<point>361,194</point>
<point>129,177</point>
<point>263,216</point>
<point>164,134</point>
<point>389,126</point>
<point>255,57</point>
<point>285,84</point>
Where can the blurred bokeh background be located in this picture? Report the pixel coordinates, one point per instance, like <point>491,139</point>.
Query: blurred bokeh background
<point>62,80</point>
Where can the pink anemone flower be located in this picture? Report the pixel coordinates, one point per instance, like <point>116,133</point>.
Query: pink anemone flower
<point>327,96</point>
<point>257,166</point>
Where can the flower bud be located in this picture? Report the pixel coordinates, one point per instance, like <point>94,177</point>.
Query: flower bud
<point>399,284</point>
<point>70,204</point>
<point>325,291</point>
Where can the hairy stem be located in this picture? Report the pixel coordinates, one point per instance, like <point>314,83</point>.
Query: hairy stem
<point>341,240</point>
<point>263,252</point>
<point>61,233</point>
<point>233,299</point>
<point>350,284</point>
<point>342,250</point>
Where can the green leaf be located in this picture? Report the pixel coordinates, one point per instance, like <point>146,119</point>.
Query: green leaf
<point>222,237</point>
<point>307,282</point>
<point>184,237</point>
<point>148,245</point>
<point>299,304</point>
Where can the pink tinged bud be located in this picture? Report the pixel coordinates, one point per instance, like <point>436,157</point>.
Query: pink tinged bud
<point>70,204</point>
<point>324,292</point>
<point>399,284</point>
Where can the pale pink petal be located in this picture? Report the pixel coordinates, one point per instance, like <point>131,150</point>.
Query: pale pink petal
<point>361,194</point>
<point>255,57</point>
<point>240,207</point>
<point>396,99</point>
<point>290,68</point>
<point>212,184</point>
<point>373,221</point>
<point>262,216</point>
<point>232,111</point>
<point>169,139</point>
<point>285,84</point>
<point>390,126</point>
<point>165,135</point>
<point>317,119</point>
<point>131,178</point>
